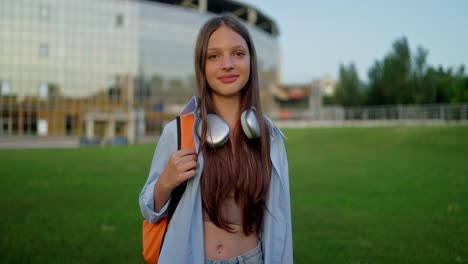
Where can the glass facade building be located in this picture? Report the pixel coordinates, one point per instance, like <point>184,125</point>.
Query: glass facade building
<point>109,68</point>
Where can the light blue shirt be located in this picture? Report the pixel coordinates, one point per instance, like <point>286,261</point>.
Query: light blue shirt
<point>184,238</point>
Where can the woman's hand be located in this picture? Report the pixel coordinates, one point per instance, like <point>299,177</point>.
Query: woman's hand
<point>180,167</point>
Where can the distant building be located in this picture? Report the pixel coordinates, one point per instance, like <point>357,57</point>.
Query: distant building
<point>101,69</point>
<point>293,99</point>
<point>327,85</point>
<point>302,100</point>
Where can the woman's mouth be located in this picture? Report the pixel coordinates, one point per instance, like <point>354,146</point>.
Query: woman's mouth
<point>228,78</point>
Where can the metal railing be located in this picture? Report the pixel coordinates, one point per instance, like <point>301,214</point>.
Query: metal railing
<point>405,113</point>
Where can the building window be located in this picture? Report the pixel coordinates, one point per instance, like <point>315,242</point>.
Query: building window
<point>44,49</point>
<point>43,89</point>
<point>119,20</point>
<point>5,88</point>
<point>71,122</point>
<point>44,12</point>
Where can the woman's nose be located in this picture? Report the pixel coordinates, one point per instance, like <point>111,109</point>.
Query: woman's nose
<point>227,63</point>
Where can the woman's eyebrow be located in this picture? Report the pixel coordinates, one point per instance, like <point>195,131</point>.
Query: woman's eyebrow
<point>232,48</point>
<point>239,47</point>
<point>213,49</point>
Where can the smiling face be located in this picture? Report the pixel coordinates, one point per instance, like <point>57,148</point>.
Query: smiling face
<point>227,66</point>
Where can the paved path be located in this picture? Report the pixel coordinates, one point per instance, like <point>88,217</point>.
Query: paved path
<point>27,142</point>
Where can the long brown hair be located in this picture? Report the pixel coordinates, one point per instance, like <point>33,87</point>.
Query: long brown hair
<point>246,172</point>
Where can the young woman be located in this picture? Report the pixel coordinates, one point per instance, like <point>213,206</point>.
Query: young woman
<point>236,206</point>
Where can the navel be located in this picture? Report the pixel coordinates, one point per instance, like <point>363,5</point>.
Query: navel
<point>219,249</point>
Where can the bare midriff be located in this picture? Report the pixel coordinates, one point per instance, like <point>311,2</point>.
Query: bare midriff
<point>221,244</point>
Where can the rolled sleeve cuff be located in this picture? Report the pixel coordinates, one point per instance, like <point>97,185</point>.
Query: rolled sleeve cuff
<point>147,206</point>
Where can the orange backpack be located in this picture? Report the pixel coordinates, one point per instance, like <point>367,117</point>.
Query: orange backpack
<point>153,234</point>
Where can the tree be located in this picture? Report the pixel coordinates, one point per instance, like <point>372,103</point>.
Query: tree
<point>400,78</point>
<point>348,90</point>
<point>421,84</point>
<point>459,87</point>
<point>390,80</point>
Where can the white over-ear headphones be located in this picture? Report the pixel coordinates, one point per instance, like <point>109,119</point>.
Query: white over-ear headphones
<point>217,132</point>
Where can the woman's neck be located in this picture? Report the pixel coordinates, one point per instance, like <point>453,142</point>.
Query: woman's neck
<point>228,109</point>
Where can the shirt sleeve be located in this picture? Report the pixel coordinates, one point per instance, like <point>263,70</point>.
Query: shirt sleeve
<point>276,233</point>
<point>167,144</point>
<point>288,245</point>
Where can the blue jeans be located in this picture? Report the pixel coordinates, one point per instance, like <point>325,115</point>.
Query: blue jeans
<point>254,256</point>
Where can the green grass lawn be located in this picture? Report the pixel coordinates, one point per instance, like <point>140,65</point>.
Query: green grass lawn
<point>359,195</point>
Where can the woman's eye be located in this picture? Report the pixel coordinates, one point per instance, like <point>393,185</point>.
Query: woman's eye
<point>213,56</point>
<point>239,54</point>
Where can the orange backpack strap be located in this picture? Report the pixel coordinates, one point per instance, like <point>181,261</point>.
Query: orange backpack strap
<point>184,140</point>
<point>185,131</point>
<point>153,234</point>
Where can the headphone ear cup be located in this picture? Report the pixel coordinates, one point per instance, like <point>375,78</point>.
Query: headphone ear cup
<point>250,124</point>
<point>217,131</point>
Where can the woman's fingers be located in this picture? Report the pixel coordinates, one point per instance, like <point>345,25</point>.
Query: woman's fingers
<point>188,174</point>
<point>185,152</point>
<point>182,165</point>
<point>185,161</point>
<point>186,164</point>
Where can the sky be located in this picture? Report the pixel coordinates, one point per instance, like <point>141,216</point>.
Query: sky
<point>316,36</point>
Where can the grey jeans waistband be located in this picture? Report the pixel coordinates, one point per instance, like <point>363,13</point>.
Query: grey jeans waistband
<point>255,256</point>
